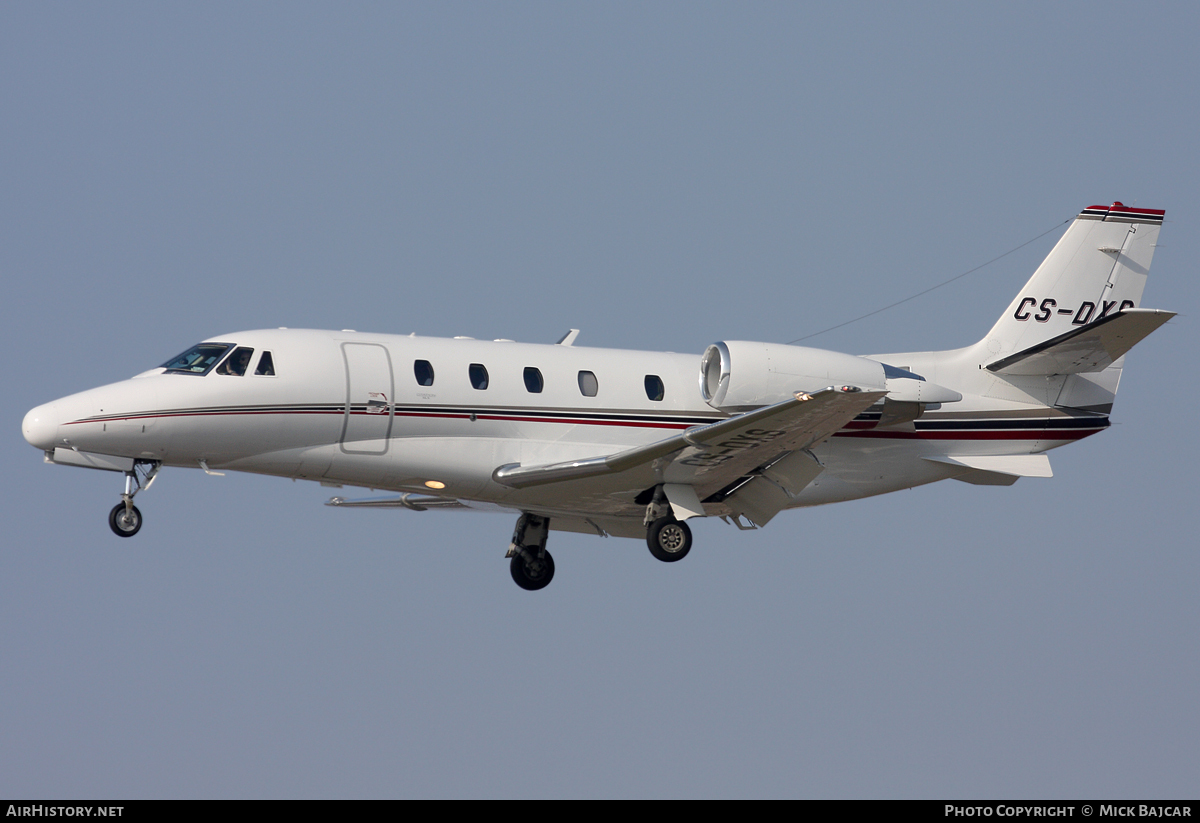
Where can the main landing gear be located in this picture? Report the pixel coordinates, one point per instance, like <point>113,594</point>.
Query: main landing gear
<point>125,519</point>
<point>532,566</point>
<point>669,539</point>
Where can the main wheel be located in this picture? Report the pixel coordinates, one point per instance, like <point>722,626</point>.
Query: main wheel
<point>669,539</point>
<point>533,574</point>
<point>124,523</point>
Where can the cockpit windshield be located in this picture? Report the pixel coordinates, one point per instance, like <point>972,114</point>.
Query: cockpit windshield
<point>199,359</point>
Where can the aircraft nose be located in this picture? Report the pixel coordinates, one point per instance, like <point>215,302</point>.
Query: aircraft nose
<point>40,426</point>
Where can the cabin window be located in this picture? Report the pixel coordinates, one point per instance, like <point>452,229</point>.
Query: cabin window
<point>654,387</point>
<point>479,376</point>
<point>237,363</point>
<point>198,359</point>
<point>423,370</point>
<point>266,366</point>
<point>587,384</point>
<point>533,380</point>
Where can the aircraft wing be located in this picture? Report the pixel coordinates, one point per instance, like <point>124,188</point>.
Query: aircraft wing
<point>1089,348</point>
<point>763,449</point>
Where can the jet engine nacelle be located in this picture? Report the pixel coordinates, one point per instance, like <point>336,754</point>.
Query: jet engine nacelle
<point>736,375</point>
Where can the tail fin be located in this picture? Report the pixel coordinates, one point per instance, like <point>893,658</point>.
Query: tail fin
<point>1078,314</point>
<point>1096,270</point>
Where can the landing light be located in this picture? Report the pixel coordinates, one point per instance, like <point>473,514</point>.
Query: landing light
<point>435,484</point>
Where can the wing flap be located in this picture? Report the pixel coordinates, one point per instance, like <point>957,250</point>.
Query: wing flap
<point>773,488</point>
<point>1089,348</point>
<point>759,500</point>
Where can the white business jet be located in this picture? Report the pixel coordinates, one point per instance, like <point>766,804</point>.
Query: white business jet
<point>630,443</point>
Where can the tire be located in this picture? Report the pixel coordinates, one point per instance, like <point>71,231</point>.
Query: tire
<point>532,576</point>
<point>669,539</point>
<point>124,524</point>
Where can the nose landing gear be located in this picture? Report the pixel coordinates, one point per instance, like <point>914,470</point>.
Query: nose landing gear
<point>125,519</point>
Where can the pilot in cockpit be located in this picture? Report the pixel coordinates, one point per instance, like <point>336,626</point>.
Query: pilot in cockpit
<point>237,363</point>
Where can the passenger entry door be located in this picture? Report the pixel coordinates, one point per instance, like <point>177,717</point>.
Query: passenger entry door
<point>368,420</point>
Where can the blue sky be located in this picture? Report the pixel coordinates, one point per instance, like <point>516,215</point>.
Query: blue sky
<point>661,176</point>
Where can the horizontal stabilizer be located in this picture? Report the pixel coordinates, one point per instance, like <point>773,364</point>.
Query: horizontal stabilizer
<point>1090,348</point>
<point>998,469</point>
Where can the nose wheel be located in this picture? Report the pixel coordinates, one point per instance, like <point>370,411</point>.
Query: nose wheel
<point>125,520</point>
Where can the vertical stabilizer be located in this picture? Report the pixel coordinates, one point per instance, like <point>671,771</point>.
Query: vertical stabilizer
<point>1096,270</point>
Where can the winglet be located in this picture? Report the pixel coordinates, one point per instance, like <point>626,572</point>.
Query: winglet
<point>568,339</point>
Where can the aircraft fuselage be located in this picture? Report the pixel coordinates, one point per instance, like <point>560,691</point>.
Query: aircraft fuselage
<point>348,408</point>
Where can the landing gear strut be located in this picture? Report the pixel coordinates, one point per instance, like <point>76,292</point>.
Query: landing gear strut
<point>532,566</point>
<point>125,519</point>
